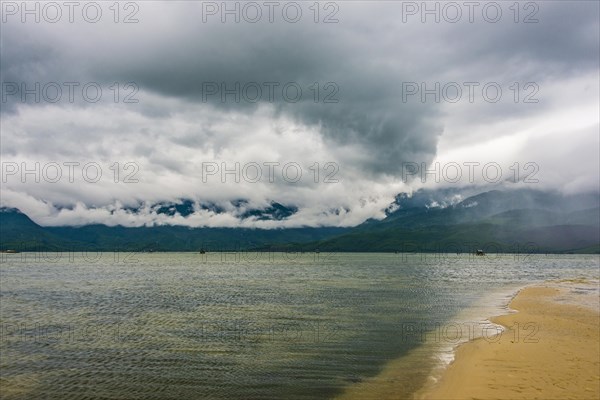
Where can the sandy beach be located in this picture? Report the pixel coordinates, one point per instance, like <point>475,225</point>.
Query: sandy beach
<point>550,350</point>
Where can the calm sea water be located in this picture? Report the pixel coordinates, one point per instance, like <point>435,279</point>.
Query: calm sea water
<point>243,325</point>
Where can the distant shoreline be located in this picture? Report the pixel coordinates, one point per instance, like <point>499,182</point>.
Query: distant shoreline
<point>102,250</point>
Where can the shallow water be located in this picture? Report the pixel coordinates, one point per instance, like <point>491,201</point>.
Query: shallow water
<point>245,325</point>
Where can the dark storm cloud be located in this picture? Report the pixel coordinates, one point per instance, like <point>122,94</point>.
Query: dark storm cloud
<point>172,55</point>
<point>368,54</point>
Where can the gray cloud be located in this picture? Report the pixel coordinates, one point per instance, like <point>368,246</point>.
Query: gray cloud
<point>369,133</point>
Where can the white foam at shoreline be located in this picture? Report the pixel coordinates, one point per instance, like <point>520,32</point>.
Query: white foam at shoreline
<point>584,293</point>
<point>477,315</point>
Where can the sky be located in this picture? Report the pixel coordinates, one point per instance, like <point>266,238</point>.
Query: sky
<point>330,108</point>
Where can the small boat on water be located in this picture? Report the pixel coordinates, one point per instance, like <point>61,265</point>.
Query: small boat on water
<point>9,251</point>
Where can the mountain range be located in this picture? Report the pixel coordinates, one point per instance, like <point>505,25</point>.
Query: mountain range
<point>445,220</point>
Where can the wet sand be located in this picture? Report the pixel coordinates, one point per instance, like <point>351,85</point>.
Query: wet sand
<point>550,350</point>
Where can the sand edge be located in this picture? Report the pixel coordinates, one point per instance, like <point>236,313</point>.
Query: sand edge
<point>549,349</point>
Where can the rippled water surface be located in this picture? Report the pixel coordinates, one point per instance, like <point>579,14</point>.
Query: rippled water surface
<point>239,326</point>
